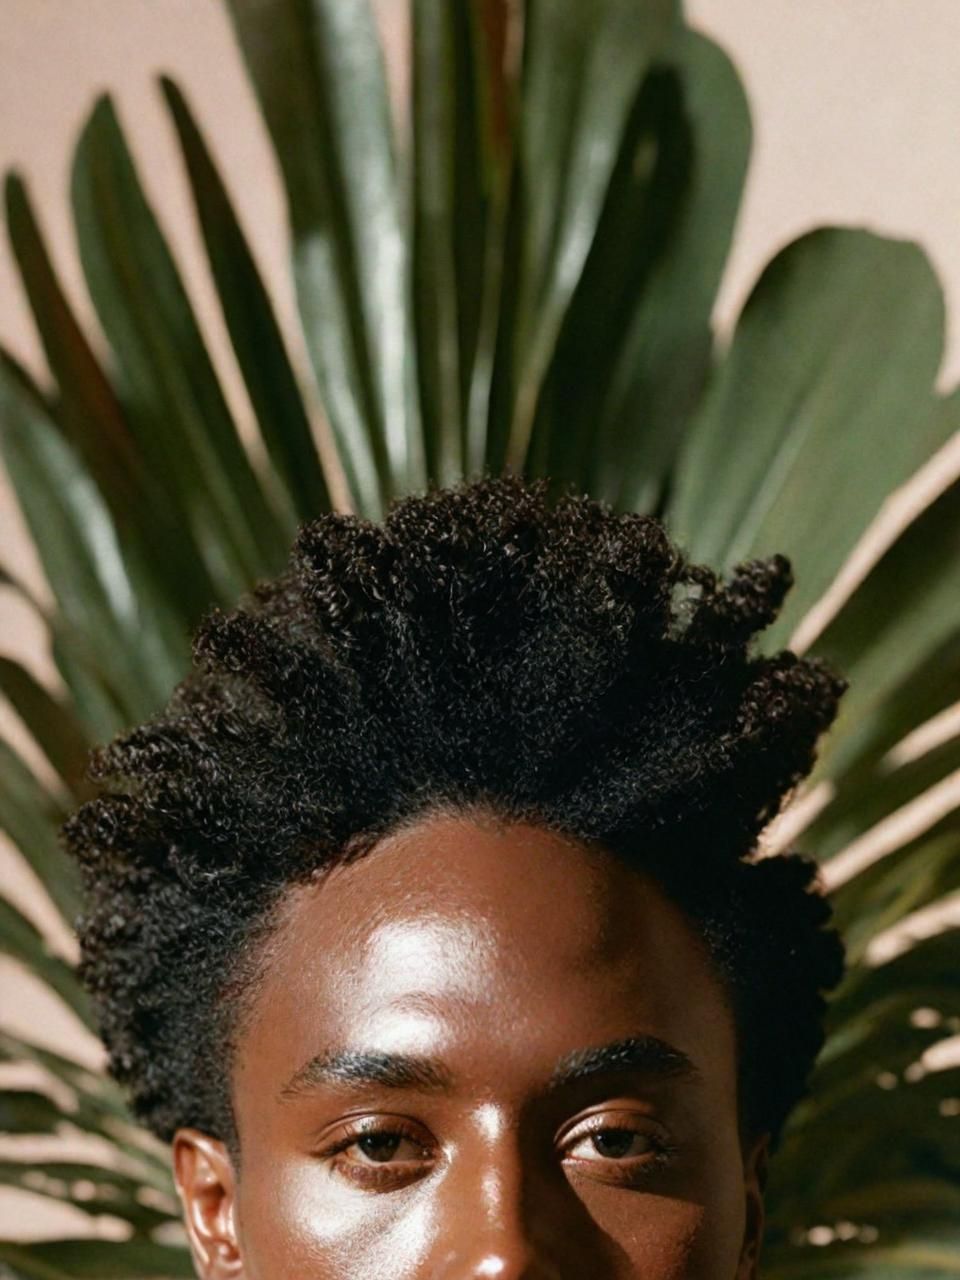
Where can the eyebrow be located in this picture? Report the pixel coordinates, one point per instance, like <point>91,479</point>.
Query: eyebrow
<point>642,1055</point>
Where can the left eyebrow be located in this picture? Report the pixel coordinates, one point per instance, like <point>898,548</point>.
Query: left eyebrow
<point>645,1055</point>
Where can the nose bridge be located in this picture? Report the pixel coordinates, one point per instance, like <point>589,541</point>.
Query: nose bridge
<point>503,1214</point>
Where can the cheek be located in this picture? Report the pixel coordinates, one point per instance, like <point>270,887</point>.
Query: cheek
<point>715,1242</point>
<point>660,1237</point>
<point>299,1220</point>
<point>689,1225</point>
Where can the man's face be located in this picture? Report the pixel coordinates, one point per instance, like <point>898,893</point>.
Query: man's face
<point>481,1051</point>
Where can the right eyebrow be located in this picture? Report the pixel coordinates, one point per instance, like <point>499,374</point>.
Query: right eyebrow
<point>364,1067</point>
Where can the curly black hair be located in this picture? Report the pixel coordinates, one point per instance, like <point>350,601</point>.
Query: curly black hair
<point>488,648</point>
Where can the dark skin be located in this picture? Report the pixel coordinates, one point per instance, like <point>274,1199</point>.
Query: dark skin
<point>481,1050</point>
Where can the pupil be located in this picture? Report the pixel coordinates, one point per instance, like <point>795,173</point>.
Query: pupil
<point>614,1142</point>
<point>379,1146</point>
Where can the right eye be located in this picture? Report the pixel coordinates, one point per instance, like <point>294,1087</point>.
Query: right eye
<point>379,1154</point>
<point>383,1146</point>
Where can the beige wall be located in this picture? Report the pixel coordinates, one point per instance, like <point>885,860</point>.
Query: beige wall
<point>856,106</point>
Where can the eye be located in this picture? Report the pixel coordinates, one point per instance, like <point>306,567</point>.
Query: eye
<point>379,1153</point>
<point>618,1148</point>
<point>614,1144</point>
<point>380,1147</point>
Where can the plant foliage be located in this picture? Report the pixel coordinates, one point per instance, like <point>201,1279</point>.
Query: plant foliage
<point>518,271</point>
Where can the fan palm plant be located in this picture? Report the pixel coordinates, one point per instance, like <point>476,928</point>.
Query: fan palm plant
<point>519,273</point>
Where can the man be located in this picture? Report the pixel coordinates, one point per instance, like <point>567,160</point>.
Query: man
<point>422,924</point>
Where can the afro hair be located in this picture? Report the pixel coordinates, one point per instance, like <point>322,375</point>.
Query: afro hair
<point>484,646</point>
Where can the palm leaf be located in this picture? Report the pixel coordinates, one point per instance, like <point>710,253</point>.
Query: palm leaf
<point>176,406</point>
<point>52,722</point>
<point>455,192</point>
<point>520,269</point>
<point>94,422</point>
<point>321,62</point>
<point>835,356</point>
<point>257,341</point>
<point>634,350</point>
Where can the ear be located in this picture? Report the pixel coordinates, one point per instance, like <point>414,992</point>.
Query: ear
<point>206,1184</point>
<point>755,1183</point>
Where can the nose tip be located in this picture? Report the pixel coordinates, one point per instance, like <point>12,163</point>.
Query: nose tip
<point>511,1259</point>
<point>504,1249</point>
<point>497,1266</point>
<point>491,1266</point>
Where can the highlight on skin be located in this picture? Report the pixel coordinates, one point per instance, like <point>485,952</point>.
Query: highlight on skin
<point>482,651</point>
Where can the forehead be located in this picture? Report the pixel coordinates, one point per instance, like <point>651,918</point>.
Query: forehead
<point>496,947</point>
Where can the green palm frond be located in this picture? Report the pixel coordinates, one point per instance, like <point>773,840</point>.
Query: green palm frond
<point>520,272</point>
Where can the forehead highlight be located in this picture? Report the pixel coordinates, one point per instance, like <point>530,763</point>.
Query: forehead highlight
<point>477,872</point>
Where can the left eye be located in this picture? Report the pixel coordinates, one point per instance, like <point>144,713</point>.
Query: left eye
<point>614,1144</point>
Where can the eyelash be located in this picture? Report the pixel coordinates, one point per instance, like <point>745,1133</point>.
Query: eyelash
<point>371,1175</point>
<point>635,1169</point>
<point>382,1175</point>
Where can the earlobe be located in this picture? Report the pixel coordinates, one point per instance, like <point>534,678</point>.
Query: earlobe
<point>755,1182</point>
<point>206,1184</point>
